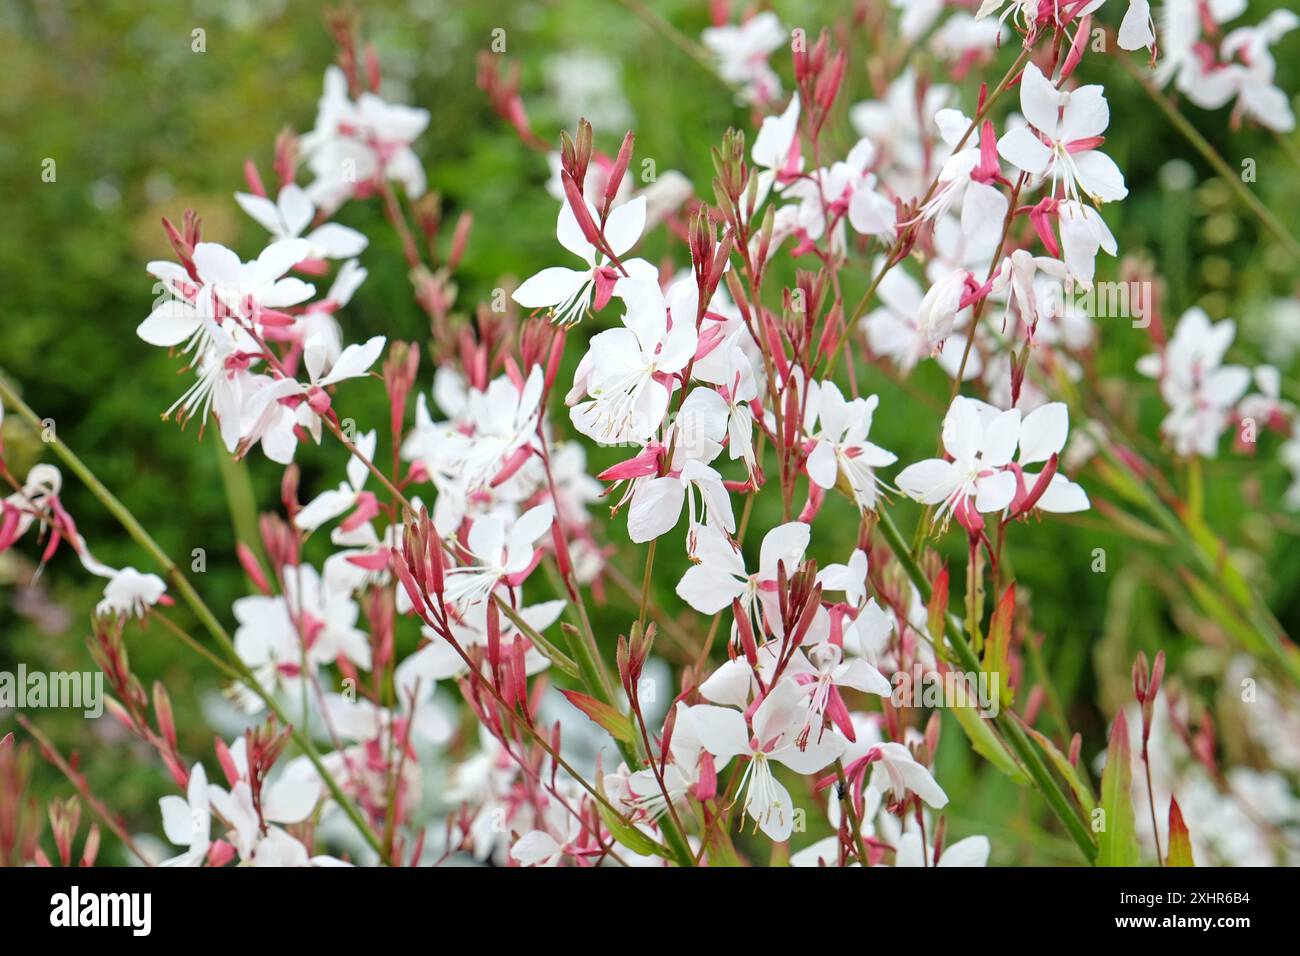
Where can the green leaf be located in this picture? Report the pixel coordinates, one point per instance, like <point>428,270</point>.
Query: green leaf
<point>987,743</point>
<point>997,647</point>
<point>618,725</point>
<point>1078,785</point>
<point>630,836</point>
<point>1117,841</point>
<point>1180,841</point>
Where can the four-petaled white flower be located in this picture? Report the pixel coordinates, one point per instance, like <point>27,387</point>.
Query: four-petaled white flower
<point>980,441</point>
<point>840,445</point>
<point>775,738</point>
<point>569,293</point>
<point>1062,139</point>
<point>499,553</point>
<point>629,371</point>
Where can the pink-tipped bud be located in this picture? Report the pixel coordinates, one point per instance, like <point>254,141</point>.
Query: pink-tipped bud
<point>372,68</point>
<point>254,179</point>
<point>580,211</point>
<point>162,708</point>
<point>619,169</point>
<point>227,762</point>
<point>745,632</point>
<point>1081,35</point>
<point>252,567</point>
<point>460,240</point>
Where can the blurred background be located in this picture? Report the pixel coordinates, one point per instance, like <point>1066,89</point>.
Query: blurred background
<point>140,126</point>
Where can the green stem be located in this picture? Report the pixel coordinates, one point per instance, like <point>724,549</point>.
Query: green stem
<point>1016,738</point>
<point>1229,175</point>
<point>182,587</point>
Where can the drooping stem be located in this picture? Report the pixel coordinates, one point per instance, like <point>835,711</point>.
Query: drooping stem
<point>191,597</point>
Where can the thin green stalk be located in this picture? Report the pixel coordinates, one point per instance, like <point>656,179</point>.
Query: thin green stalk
<point>1229,175</point>
<point>182,587</point>
<point>1016,738</point>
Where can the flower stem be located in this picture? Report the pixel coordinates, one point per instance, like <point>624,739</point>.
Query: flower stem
<point>1016,738</point>
<point>1226,173</point>
<point>191,597</point>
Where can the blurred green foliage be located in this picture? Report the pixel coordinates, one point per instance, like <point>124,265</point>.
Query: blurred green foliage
<point>140,126</point>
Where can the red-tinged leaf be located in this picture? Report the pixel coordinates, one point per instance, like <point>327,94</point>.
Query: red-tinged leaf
<point>997,650</point>
<point>618,725</point>
<point>1117,830</point>
<point>938,606</point>
<point>1180,841</point>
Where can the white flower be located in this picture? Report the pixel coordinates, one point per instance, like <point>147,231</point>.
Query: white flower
<point>1065,129</point>
<point>131,593</point>
<point>841,447</point>
<point>355,144</point>
<point>1198,388</point>
<point>742,51</point>
<point>625,370</point>
<point>291,213</point>
<point>776,724</point>
<point>1137,29</point>
<point>188,822</point>
<point>1083,233</point>
<point>719,576</point>
<point>310,625</point>
<point>1043,434</point>
<point>569,293</point>
<point>1258,96</point>
<point>895,772</point>
<point>895,330</point>
<point>972,851</point>
<point>499,553</point>
<point>981,441</point>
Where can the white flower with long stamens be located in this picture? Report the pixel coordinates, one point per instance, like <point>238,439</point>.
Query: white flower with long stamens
<point>776,725</point>
<point>570,293</point>
<point>980,441</point>
<point>840,446</point>
<point>821,671</point>
<point>728,367</point>
<point>1062,139</point>
<point>499,554</point>
<point>626,370</point>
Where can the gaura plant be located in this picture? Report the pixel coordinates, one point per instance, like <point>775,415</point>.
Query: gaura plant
<point>439,685</point>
